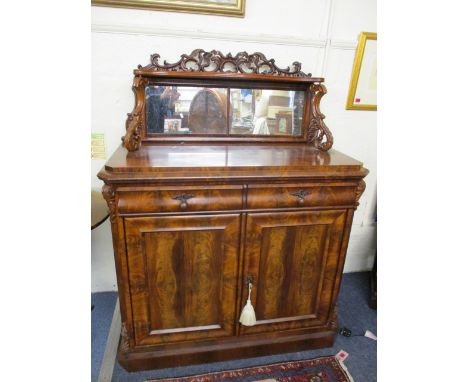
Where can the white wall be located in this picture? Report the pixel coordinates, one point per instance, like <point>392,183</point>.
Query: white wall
<point>322,34</point>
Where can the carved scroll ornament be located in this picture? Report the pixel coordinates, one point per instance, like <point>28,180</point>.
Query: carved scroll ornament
<point>359,191</point>
<point>135,119</point>
<point>215,61</point>
<point>108,193</point>
<point>318,133</point>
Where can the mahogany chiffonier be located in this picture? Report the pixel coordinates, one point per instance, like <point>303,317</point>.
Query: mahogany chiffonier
<point>226,183</point>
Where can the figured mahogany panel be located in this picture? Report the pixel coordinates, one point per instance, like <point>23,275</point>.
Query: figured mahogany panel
<point>289,271</point>
<point>300,195</point>
<point>183,276</point>
<point>293,259</point>
<point>184,280</point>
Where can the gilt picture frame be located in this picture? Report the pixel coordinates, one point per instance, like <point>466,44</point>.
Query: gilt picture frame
<point>362,94</point>
<point>234,8</point>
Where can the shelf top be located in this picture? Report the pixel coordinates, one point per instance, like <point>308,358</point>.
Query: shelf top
<point>227,76</point>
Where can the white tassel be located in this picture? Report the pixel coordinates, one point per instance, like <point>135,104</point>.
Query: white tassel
<point>247,316</point>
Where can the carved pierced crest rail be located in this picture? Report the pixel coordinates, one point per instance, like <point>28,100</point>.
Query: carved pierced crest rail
<point>215,61</point>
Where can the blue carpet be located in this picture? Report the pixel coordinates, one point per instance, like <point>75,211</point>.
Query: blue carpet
<point>101,318</point>
<point>353,312</point>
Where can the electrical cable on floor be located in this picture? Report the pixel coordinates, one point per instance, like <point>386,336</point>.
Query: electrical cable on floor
<point>345,332</point>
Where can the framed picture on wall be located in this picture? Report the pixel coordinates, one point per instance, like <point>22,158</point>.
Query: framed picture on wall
<point>234,8</point>
<point>362,93</point>
<point>283,124</point>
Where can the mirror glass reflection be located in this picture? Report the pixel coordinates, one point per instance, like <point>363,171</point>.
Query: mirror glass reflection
<point>186,110</point>
<point>266,112</point>
<point>204,111</point>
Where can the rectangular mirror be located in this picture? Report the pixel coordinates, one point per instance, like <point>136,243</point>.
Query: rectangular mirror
<point>266,112</point>
<point>175,110</point>
<point>186,110</point>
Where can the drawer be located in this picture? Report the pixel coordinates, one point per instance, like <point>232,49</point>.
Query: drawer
<point>300,195</point>
<point>179,199</point>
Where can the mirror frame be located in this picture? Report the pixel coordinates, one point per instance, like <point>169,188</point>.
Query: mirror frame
<point>213,69</point>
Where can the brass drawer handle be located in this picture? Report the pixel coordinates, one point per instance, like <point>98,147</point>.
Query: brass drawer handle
<point>183,199</point>
<point>300,195</point>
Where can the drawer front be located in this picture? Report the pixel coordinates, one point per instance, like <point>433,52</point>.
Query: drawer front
<point>179,199</point>
<point>300,195</point>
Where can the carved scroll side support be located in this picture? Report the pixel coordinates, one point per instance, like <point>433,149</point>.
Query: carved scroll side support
<point>215,61</point>
<point>359,191</point>
<point>134,125</point>
<point>318,134</point>
<point>109,195</point>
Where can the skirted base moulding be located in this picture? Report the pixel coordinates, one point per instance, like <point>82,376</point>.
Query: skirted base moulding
<point>182,354</point>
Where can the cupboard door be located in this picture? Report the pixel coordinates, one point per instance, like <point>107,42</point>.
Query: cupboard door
<point>293,258</point>
<point>183,276</point>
